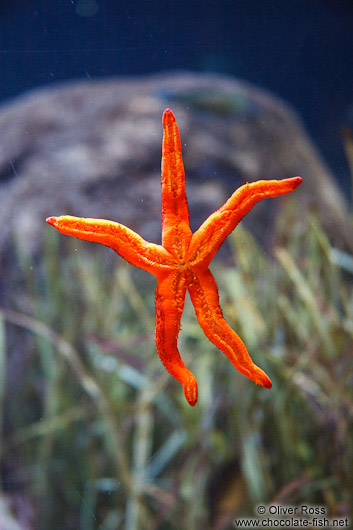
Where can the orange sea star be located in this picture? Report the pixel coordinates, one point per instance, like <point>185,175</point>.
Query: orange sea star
<point>181,262</point>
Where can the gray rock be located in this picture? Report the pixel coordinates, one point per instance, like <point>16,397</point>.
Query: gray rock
<point>93,149</point>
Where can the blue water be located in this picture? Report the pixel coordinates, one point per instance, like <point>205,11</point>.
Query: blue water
<point>300,49</point>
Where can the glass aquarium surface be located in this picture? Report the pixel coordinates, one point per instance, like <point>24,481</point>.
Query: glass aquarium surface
<point>176,257</point>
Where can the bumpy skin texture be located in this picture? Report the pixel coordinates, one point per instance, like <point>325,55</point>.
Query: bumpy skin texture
<point>181,262</point>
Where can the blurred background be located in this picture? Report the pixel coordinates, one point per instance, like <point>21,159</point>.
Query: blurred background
<point>299,50</point>
<point>95,434</point>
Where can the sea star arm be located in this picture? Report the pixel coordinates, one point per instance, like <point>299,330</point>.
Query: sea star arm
<point>129,245</point>
<point>170,298</point>
<point>176,233</point>
<point>212,233</point>
<point>204,296</point>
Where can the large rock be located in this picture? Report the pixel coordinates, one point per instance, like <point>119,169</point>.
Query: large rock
<point>93,148</point>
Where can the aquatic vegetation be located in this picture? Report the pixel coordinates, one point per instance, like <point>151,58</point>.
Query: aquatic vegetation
<point>100,437</point>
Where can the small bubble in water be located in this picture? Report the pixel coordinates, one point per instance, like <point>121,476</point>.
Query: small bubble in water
<point>87,8</point>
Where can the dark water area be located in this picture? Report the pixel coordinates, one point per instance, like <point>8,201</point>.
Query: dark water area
<point>299,49</point>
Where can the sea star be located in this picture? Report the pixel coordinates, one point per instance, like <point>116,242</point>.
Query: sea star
<point>181,262</point>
